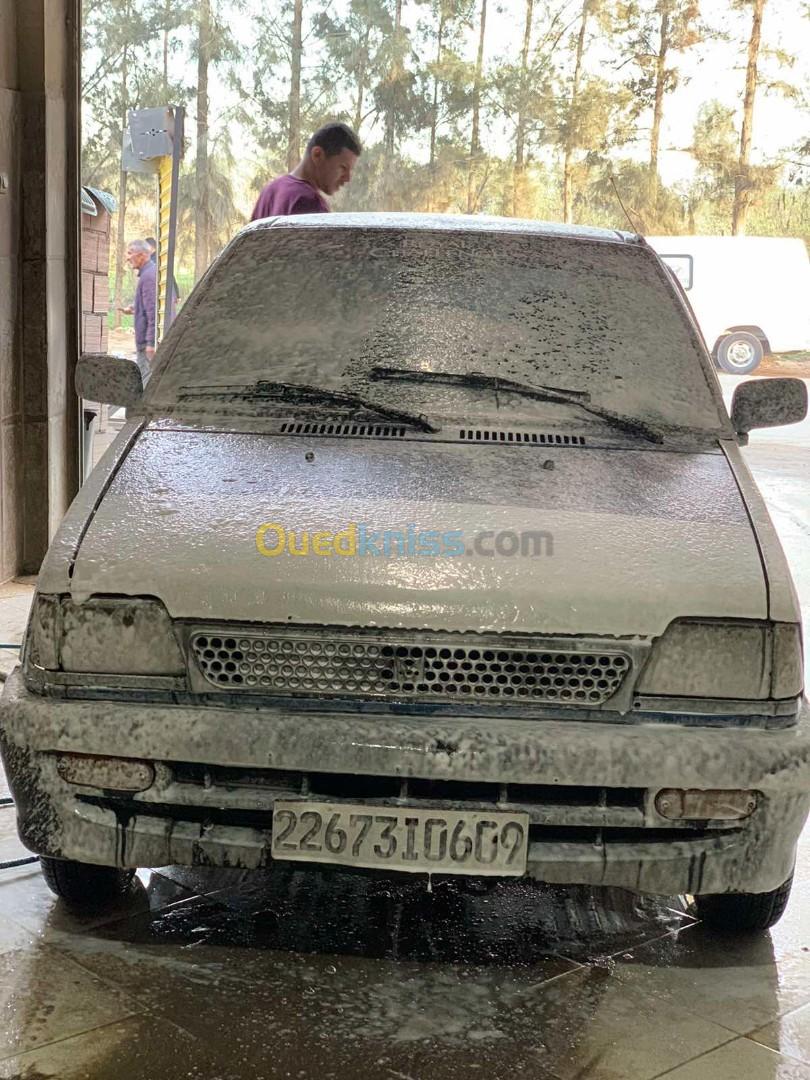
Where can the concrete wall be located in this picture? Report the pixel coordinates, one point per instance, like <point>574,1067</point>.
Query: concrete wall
<point>38,275</point>
<point>11,422</point>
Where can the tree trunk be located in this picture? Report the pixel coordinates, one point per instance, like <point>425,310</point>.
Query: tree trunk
<point>361,81</point>
<point>434,115</point>
<point>202,223</point>
<point>658,106</point>
<point>167,14</point>
<point>742,183</point>
<point>475,136</point>
<point>294,125</point>
<point>568,203</point>
<point>120,236</point>
<point>520,133</point>
<point>390,116</point>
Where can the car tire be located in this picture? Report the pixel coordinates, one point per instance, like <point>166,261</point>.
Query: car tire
<point>740,353</point>
<point>85,886</point>
<point>743,913</point>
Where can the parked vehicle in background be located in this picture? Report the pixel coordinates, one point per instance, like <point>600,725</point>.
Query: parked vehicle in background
<point>750,294</point>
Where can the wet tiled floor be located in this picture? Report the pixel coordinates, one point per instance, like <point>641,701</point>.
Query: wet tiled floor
<point>220,975</point>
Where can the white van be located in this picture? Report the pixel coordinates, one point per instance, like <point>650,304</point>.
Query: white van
<point>750,294</point>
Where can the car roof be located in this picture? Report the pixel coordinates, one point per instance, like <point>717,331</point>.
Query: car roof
<point>443,223</point>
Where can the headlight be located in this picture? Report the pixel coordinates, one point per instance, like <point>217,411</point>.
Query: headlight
<point>103,636</point>
<point>747,661</point>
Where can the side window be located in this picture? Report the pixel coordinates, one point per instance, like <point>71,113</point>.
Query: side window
<point>682,266</point>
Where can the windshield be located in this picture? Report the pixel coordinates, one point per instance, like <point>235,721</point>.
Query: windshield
<point>326,305</point>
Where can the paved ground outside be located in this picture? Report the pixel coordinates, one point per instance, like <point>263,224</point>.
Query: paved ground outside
<point>222,975</point>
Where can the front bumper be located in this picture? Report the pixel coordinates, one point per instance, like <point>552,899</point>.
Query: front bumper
<point>224,819</point>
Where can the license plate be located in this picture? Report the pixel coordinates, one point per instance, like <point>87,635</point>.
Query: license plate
<point>402,838</point>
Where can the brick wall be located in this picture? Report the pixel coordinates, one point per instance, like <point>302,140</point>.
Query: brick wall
<point>95,282</point>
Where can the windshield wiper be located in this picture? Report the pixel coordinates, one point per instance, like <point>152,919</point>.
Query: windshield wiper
<point>479,379</point>
<point>303,394</point>
<point>482,381</point>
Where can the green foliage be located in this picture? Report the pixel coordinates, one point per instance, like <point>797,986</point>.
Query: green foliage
<point>261,81</point>
<point>225,215</point>
<point>571,108</point>
<point>356,58</point>
<point>619,195</point>
<point>653,27</point>
<point>119,74</point>
<point>450,74</point>
<point>714,147</point>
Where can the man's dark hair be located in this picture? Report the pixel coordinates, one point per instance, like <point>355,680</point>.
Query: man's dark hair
<point>151,240</point>
<point>332,138</point>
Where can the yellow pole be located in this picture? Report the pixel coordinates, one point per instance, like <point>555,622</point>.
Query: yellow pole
<point>164,174</point>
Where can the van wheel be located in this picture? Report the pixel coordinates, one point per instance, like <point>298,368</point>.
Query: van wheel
<point>84,886</point>
<point>740,353</point>
<point>743,913</point>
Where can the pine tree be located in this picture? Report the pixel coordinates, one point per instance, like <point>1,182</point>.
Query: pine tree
<point>448,72</point>
<point>715,146</point>
<point>587,105</point>
<point>474,189</point>
<point>281,102</point>
<point>655,31</point>
<point>202,232</point>
<point>119,35</point>
<point>214,46</point>
<point>296,51</point>
<point>355,47</point>
<point>743,181</point>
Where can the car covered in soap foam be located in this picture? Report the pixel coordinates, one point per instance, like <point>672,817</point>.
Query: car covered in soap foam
<point>418,553</point>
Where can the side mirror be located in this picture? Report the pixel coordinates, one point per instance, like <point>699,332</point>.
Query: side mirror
<point>110,380</point>
<point>768,403</point>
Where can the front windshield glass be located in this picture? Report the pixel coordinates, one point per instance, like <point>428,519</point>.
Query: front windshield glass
<point>324,305</point>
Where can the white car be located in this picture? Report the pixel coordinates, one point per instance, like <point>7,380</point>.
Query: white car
<point>750,294</point>
<point>419,553</point>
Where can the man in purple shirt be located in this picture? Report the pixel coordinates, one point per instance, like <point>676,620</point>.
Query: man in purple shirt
<point>326,166</point>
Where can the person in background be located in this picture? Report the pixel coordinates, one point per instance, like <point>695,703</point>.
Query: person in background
<point>152,242</point>
<point>145,306</point>
<point>326,166</point>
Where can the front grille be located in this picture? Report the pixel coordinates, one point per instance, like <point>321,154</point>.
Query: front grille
<point>357,786</point>
<point>322,663</point>
<point>589,837</point>
<point>607,836</point>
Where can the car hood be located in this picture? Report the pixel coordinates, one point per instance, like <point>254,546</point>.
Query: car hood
<point>629,539</point>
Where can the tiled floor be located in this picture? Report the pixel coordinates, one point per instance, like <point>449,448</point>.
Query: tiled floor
<point>222,975</point>
<point>225,975</point>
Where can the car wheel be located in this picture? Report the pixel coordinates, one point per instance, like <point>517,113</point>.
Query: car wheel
<point>740,353</point>
<point>84,885</point>
<point>743,913</point>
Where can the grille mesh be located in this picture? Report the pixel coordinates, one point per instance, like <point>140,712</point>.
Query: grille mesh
<point>329,664</point>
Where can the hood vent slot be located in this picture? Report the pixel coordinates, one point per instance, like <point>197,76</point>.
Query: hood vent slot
<point>475,435</point>
<point>377,431</point>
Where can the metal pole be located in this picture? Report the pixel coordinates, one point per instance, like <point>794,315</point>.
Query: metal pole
<point>177,153</point>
